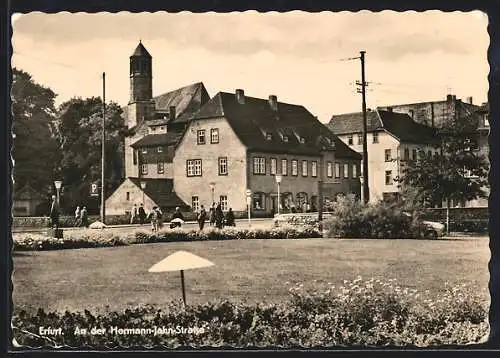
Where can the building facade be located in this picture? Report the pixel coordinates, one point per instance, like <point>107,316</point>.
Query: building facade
<point>392,139</point>
<point>237,143</point>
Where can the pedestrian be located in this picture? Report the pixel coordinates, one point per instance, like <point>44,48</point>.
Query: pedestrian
<point>219,217</point>
<point>77,215</point>
<point>84,218</point>
<point>142,214</point>
<point>159,218</point>
<point>155,216</point>
<point>133,214</point>
<point>211,215</point>
<point>202,216</point>
<point>176,215</point>
<point>54,213</point>
<point>230,218</point>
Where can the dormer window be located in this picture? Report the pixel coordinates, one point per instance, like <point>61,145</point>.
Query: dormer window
<point>302,140</point>
<point>144,151</point>
<point>285,138</point>
<point>269,136</point>
<point>160,149</point>
<point>153,129</point>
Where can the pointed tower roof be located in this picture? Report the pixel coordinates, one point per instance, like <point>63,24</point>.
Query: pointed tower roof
<point>140,51</point>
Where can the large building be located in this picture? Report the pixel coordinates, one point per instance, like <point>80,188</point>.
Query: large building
<point>392,139</point>
<point>185,149</point>
<point>236,143</point>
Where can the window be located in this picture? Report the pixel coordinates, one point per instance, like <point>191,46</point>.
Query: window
<point>159,149</point>
<point>201,136</point>
<point>223,166</point>
<point>387,155</point>
<point>304,168</point>
<point>144,151</point>
<point>360,138</point>
<point>162,128</point>
<point>414,154</point>
<point>329,169</point>
<point>295,165</point>
<point>406,155</point>
<point>195,203</point>
<point>269,136</point>
<point>346,170</point>
<point>350,139</point>
<point>337,170</point>
<point>273,166</point>
<point>284,167</point>
<point>302,140</point>
<point>259,201</point>
<point>314,169</point>
<point>214,135</point>
<point>161,167</point>
<point>375,137</point>
<point>193,167</point>
<point>354,171</point>
<point>135,157</point>
<point>223,202</point>
<point>128,195</point>
<point>153,129</point>
<point>144,169</point>
<point>429,153</point>
<point>388,177</point>
<point>259,165</point>
<point>285,138</point>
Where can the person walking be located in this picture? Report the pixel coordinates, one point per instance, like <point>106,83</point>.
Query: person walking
<point>219,217</point>
<point>133,214</point>
<point>142,214</point>
<point>230,218</point>
<point>155,216</point>
<point>202,216</point>
<point>211,215</point>
<point>54,213</point>
<point>77,216</point>
<point>84,217</point>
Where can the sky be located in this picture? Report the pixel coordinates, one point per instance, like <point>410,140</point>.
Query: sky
<point>302,58</point>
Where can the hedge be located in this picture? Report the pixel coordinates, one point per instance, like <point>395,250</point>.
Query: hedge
<point>360,313</point>
<point>103,238</point>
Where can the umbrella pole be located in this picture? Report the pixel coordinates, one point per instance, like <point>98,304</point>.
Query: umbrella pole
<point>183,288</point>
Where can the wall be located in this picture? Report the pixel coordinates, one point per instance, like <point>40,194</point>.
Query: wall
<point>233,185</point>
<point>117,203</point>
<point>151,158</point>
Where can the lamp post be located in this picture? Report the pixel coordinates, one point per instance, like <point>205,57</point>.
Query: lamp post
<point>249,203</point>
<point>212,188</point>
<point>143,186</point>
<point>278,181</point>
<point>58,185</point>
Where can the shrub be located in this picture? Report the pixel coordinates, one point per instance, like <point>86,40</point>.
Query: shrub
<point>102,238</point>
<point>347,219</point>
<point>363,313</point>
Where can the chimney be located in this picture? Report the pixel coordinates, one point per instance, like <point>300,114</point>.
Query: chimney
<point>449,98</point>
<point>469,100</point>
<point>389,109</point>
<point>273,102</point>
<point>171,114</point>
<point>240,96</point>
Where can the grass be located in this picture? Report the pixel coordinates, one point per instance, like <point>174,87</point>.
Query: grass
<point>253,270</point>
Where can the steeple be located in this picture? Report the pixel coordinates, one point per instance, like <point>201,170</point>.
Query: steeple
<point>141,77</point>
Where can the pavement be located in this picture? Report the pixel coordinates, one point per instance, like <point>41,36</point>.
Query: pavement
<point>255,223</point>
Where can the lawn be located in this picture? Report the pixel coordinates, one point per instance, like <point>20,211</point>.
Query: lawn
<point>251,270</point>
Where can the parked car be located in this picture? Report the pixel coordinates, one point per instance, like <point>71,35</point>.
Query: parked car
<point>433,229</point>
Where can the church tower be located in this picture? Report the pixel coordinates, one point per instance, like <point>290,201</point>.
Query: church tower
<point>141,105</point>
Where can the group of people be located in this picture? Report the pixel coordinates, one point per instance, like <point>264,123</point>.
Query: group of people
<point>155,216</point>
<point>81,217</point>
<point>138,214</point>
<point>216,217</point>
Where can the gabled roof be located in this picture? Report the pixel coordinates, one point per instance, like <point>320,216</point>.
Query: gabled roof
<point>155,140</point>
<point>140,51</point>
<point>28,193</point>
<point>350,123</point>
<point>400,125</point>
<point>187,100</point>
<point>161,191</point>
<point>253,120</point>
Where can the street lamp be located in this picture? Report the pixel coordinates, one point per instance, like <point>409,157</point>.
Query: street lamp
<point>278,181</point>
<point>212,187</point>
<point>58,185</point>
<point>143,186</point>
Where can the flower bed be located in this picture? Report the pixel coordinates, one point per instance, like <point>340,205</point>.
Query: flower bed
<point>102,238</point>
<point>360,313</point>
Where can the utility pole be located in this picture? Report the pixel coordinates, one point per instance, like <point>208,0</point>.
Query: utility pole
<point>363,84</point>
<point>103,181</point>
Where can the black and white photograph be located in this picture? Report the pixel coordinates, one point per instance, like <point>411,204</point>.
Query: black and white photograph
<point>250,180</point>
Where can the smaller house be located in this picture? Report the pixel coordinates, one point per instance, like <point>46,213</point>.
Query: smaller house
<point>27,202</point>
<point>146,191</point>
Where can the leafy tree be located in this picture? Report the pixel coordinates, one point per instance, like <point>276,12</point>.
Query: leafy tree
<point>35,150</point>
<point>79,129</point>
<point>457,173</point>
